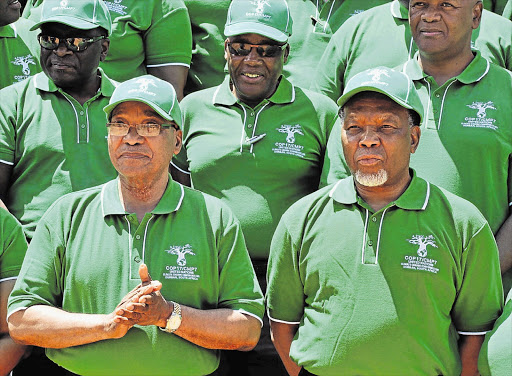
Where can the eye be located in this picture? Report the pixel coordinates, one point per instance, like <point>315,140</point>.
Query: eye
<point>447,5</point>
<point>417,4</point>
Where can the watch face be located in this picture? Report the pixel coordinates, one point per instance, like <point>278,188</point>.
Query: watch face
<point>174,321</point>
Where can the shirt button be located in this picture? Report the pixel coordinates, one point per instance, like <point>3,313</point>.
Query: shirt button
<point>82,126</point>
<point>249,126</point>
<point>374,219</point>
<point>252,113</point>
<point>81,112</point>
<point>370,243</point>
<point>137,237</point>
<point>437,95</point>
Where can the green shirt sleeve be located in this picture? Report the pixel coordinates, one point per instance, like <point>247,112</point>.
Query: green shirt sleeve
<point>480,295</point>
<point>331,70</point>
<point>169,38</point>
<point>14,245</point>
<point>8,115</point>
<point>239,288</point>
<point>285,291</point>
<point>39,281</point>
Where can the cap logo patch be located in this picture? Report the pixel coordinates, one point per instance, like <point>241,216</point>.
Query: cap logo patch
<point>144,86</point>
<point>375,77</point>
<point>260,9</point>
<point>117,7</point>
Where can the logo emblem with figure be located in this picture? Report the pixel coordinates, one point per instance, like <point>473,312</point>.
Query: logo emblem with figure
<point>25,62</point>
<point>260,9</point>
<point>181,270</point>
<point>144,84</point>
<point>481,120</point>
<point>420,261</point>
<point>290,147</point>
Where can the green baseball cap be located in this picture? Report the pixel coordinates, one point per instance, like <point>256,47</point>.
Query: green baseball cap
<point>156,93</point>
<point>270,18</point>
<point>395,85</point>
<point>80,14</point>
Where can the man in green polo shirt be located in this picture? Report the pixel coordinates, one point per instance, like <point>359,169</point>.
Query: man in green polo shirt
<point>52,133</point>
<point>150,36</point>
<point>18,45</point>
<point>85,291</point>
<point>256,141</point>
<point>382,36</point>
<point>381,273</point>
<point>13,246</point>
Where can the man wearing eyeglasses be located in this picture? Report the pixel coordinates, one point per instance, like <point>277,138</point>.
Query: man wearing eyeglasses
<point>256,141</point>
<point>85,291</point>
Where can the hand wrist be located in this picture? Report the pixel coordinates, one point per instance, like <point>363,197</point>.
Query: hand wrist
<point>162,322</point>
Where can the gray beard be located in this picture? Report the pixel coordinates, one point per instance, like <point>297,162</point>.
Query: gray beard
<point>371,180</point>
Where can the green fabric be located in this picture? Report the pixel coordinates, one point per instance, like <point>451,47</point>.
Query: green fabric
<point>381,36</point>
<point>85,257</point>
<point>259,180</point>
<point>495,357</point>
<point>13,245</point>
<point>20,52</point>
<point>54,144</point>
<point>507,12</point>
<point>144,34</point>
<point>368,298</point>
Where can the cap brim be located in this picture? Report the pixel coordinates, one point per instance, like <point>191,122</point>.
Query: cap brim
<point>256,28</point>
<point>69,21</point>
<point>109,108</point>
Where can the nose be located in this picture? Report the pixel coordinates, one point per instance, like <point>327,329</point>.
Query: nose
<point>132,137</point>
<point>253,56</point>
<point>62,50</point>
<point>369,139</point>
<point>430,14</point>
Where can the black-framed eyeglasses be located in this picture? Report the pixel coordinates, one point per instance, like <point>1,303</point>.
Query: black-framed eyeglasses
<point>75,44</point>
<point>144,130</point>
<point>263,50</point>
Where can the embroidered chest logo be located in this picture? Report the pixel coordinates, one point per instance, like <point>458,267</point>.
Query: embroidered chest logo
<point>260,9</point>
<point>290,147</point>
<point>24,62</point>
<point>116,6</point>
<point>481,120</point>
<point>181,270</point>
<point>420,261</point>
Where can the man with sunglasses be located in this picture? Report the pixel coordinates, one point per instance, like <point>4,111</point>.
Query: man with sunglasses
<point>52,134</point>
<point>256,141</point>
<point>85,290</point>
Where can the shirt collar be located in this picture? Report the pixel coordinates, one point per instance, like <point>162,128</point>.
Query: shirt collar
<point>399,11</point>
<point>285,93</point>
<point>170,202</point>
<point>415,197</point>
<point>474,72</point>
<point>44,83</point>
<point>8,31</point>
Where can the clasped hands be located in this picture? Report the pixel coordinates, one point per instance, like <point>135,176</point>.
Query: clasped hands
<point>144,305</point>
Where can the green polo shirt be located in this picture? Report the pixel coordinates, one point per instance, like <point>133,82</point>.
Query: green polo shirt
<point>85,258</point>
<point>20,52</point>
<point>507,12</point>
<point>381,36</point>
<point>13,246</point>
<point>53,143</point>
<point>149,33</point>
<point>257,160</point>
<point>386,292</point>
<point>495,357</point>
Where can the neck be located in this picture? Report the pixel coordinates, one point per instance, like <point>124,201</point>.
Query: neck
<point>83,92</point>
<point>443,69</point>
<point>141,196</point>
<point>381,196</point>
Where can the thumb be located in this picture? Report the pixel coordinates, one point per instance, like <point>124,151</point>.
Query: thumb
<point>144,274</point>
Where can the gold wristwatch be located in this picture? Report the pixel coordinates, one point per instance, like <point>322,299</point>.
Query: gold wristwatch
<point>174,321</point>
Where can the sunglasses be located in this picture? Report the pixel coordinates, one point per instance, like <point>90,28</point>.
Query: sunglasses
<point>75,44</point>
<point>263,50</point>
<point>144,130</point>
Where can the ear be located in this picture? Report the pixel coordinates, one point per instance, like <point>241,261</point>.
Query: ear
<point>477,14</point>
<point>178,137</point>
<point>105,45</point>
<point>286,53</point>
<point>415,137</point>
<point>226,52</point>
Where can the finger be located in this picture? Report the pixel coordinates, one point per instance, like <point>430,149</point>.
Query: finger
<point>144,274</point>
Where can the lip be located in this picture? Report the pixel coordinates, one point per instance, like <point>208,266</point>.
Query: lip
<point>245,76</point>
<point>430,32</point>
<point>369,159</point>
<point>61,66</point>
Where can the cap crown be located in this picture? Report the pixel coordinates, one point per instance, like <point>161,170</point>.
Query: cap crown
<point>270,18</point>
<point>395,85</point>
<point>156,93</point>
<point>80,14</point>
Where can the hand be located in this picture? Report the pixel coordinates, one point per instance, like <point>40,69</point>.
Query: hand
<point>145,304</point>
